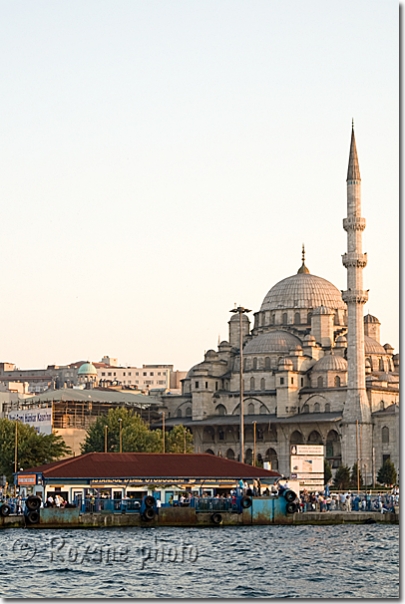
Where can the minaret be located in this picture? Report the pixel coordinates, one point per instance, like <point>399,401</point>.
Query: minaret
<point>356,425</point>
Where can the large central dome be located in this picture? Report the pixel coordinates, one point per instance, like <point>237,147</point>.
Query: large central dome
<point>303,290</point>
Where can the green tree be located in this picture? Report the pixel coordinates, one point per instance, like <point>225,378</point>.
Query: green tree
<point>179,440</point>
<point>33,449</point>
<point>327,472</point>
<point>387,473</point>
<point>135,434</point>
<point>342,478</point>
<point>353,477</point>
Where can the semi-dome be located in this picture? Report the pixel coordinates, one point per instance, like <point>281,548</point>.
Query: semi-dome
<point>273,341</point>
<point>87,369</point>
<point>303,290</point>
<point>371,346</point>
<point>330,362</point>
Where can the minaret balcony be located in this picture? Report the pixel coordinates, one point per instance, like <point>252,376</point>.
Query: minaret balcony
<point>353,259</point>
<point>354,223</point>
<point>355,296</point>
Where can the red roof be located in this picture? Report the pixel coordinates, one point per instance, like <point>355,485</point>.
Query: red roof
<point>150,465</point>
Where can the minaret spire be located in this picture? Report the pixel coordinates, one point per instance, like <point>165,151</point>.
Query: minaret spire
<point>356,413</point>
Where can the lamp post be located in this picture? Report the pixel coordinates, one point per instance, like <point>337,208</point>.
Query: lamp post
<point>105,439</point>
<point>254,443</point>
<point>163,433</point>
<point>240,310</point>
<point>120,423</point>
<point>15,452</point>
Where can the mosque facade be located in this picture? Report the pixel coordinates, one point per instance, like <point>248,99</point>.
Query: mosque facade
<point>314,371</point>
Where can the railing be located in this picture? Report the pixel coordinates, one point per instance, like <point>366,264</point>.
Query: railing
<point>111,506</point>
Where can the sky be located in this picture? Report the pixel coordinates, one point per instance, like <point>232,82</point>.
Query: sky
<point>162,161</point>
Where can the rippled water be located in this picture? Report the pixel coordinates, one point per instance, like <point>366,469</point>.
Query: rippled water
<point>345,561</point>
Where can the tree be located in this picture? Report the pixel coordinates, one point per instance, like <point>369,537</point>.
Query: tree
<point>179,440</point>
<point>353,477</point>
<point>327,472</point>
<point>33,449</point>
<point>135,434</point>
<point>342,478</point>
<point>387,473</point>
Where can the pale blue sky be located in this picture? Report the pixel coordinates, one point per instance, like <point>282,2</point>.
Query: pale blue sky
<point>164,160</point>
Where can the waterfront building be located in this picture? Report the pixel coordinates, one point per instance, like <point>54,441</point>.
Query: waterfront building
<point>134,475</point>
<point>315,371</point>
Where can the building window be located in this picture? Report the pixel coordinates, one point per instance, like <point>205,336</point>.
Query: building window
<point>103,373</point>
<point>281,381</point>
<point>382,406</point>
<point>267,363</point>
<point>337,381</point>
<point>109,373</point>
<point>254,364</point>
<point>262,384</point>
<point>251,409</point>
<point>220,410</point>
<point>221,434</point>
<point>327,407</point>
<point>317,408</point>
<point>284,318</point>
<point>385,435</point>
<point>206,384</point>
<point>292,380</point>
<point>179,414</point>
<point>297,318</point>
<point>386,458</point>
<point>151,373</point>
<point>320,382</point>
<point>302,382</point>
<point>252,383</point>
<point>144,373</point>
<point>216,386</point>
<point>188,412</point>
<point>305,408</point>
<point>197,384</point>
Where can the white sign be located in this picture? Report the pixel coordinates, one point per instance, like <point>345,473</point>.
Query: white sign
<point>308,465</point>
<point>40,419</point>
<point>306,450</point>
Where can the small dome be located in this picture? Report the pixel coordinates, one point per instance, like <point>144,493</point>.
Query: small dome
<point>87,369</point>
<point>285,364</point>
<point>371,346</point>
<point>370,319</point>
<point>330,362</point>
<point>323,310</point>
<point>224,344</point>
<point>211,354</point>
<point>273,341</point>
<point>309,339</point>
<point>342,339</point>
<point>235,317</point>
<point>388,347</point>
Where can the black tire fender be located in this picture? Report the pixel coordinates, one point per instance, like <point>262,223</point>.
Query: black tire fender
<point>246,502</point>
<point>33,503</point>
<point>149,501</point>
<point>33,517</point>
<point>290,496</point>
<point>216,518</point>
<point>148,514</point>
<point>5,510</point>
<point>291,508</point>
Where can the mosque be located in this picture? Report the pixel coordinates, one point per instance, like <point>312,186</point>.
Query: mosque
<point>314,371</point>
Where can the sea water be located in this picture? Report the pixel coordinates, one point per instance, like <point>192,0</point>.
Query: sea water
<point>343,561</point>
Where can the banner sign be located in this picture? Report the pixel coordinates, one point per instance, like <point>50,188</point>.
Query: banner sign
<point>27,479</point>
<point>40,419</point>
<point>306,465</point>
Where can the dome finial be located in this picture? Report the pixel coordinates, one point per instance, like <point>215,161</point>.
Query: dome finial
<point>303,268</point>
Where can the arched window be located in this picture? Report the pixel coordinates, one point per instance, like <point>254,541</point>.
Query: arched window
<point>252,383</point>
<point>230,454</point>
<point>327,407</point>
<point>248,456</point>
<point>262,384</point>
<point>251,409</point>
<point>267,363</point>
<point>382,406</point>
<point>309,318</point>
<point>297,318</point>
<point>262,410</point>
<point>179,414</point>
<point>337,381</point>
<point>296,438</point>
<point>284,318</point>
<point>188,412</point>
<point>220,410</point>
<point>305,408</point>
<point>255,364</point>
<point>315,438</point>
<point>221,434</point>
<point>271,456</point>
<point>208,434</point>
<point>210,451</point>
<point>336,318</point>
<point>333,447</point>
<point>385,435</point>
<point>273,319</point>
<point>317,408</point>
<point>272,434</point>
<point>320,382</point>
<point>381,364</point>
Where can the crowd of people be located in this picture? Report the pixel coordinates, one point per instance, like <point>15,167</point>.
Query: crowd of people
<point>348,501</point>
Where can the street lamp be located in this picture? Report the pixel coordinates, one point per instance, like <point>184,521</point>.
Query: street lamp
<point>120,423</point>
<point>15,452</point>
<point>241,311</point>
<point>105,438</point>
